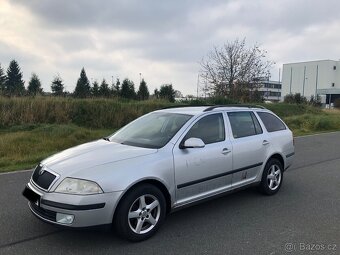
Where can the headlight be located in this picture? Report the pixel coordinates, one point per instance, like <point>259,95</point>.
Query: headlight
<point>78,186</point>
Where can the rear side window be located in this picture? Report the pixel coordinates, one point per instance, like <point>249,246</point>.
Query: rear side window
<point>210,129</point>
<point>244,124</point>
<point>271,122</point>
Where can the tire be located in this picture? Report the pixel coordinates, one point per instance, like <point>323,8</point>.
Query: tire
<point>140,213</point>
<point>272,177</point>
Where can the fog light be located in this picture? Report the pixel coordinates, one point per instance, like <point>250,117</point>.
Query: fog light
<point>65,218</point>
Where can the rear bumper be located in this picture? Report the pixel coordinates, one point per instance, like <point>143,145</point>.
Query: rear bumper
<point>86,210</point>
<point>289,160</point>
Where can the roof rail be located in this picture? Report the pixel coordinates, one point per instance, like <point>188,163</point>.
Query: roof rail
<point>186,105</point>
<point>234,105</point>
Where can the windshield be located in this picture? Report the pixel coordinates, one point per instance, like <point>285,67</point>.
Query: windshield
<point>151,131</point>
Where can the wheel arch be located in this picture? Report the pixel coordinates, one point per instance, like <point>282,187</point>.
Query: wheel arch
<point>150,181</point>
<point>278,157</point>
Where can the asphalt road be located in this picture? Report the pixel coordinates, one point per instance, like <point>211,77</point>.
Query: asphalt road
<point>303,218</point>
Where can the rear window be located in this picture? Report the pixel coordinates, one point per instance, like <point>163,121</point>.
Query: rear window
<point>244,124</point>
<point>271,122</point>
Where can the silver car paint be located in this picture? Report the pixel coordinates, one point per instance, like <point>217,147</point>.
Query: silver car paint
<point>116,168</point>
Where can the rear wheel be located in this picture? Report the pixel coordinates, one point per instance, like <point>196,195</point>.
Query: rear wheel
<point>140,213</point>
<point>272,177</point>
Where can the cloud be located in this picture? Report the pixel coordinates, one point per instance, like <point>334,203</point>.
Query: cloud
<point>164,40</point>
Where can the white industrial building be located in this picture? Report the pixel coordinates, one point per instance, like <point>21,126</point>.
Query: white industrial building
<point>313,78</point>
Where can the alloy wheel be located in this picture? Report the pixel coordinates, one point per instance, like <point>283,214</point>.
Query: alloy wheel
<point>144,214</point>
<point>274,177</point>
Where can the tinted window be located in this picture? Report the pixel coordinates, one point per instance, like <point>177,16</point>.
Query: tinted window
<point>210,129</point>
<point>244,124</point>
<point>271,122</point>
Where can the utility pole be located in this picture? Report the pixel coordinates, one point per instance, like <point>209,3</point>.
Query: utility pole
<point>304,81</point>
<point>198,80</point>
<point>291,78</point>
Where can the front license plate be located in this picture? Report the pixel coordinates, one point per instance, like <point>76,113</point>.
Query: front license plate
<point>31,195</point>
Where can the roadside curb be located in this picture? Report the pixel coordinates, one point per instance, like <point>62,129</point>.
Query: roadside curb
<point>325,133</point>
<point>16,172</point>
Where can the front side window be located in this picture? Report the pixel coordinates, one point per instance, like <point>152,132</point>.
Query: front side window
<point>210,129</point>
<point>271,122</point>
<point>244,124</point>
<point>151,131</point>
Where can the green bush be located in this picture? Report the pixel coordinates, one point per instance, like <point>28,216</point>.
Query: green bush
<point>337,103</point>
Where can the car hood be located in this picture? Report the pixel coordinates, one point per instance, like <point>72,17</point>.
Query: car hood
<point>92,154</point>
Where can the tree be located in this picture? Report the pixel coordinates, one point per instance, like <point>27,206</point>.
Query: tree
<point>57,86</point>
<point>234,64</point>
<point>116,88</point>
<point>95,89</point>
<point>2,81</point>
<point>156,93</point>
<point>83,86</point>
<point>104,89</point>
<point>178,94</point>
<point>14,83</point>
<point>167,92</point>
<point>128,89</point>
<point>143,91</point>
<point>34,85</point>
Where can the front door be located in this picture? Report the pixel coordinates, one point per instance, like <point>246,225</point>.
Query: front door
<point>200,172</point>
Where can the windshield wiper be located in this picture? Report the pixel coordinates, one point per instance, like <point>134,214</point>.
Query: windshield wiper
<point>106,139</point>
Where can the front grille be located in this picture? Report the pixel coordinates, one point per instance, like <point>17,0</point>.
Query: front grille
<point>44,213</point>
<point>42,178</point>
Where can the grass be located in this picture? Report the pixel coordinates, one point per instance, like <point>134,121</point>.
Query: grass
<point>32,129</point>
<point>22,147</point>
<point>90,113</point>
<point>314,123</point>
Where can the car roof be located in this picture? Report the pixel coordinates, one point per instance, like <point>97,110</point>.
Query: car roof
<point>197,110</point>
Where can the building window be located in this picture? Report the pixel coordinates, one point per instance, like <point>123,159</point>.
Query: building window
<point>333,84</point>
<point>334,67</point>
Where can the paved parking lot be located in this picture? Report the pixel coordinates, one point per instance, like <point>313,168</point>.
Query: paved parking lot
<point>303,218</point>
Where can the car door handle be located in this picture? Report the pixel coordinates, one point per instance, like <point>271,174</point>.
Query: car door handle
<point>265,142</point>
<point>225,151</point>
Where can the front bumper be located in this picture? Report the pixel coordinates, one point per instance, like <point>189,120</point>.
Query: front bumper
<point>86,210</point>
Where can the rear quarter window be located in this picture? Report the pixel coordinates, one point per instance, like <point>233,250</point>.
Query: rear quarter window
<point>271,122</point>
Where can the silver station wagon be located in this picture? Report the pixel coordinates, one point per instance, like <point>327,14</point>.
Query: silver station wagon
<point>160,162</point>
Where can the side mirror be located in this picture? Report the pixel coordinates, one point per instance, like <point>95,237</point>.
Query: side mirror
<point>193,143</point>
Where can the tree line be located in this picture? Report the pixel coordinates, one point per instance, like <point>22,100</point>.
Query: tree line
<point>12,84</point>
<point>233,71</point>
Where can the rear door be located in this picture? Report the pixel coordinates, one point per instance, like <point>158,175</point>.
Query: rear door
<point>249,145</point>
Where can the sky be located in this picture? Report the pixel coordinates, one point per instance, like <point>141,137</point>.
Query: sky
<point>160,41</point>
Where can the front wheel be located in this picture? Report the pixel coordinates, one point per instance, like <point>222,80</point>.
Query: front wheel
<point>272,177</point>
<point>140,213</point>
